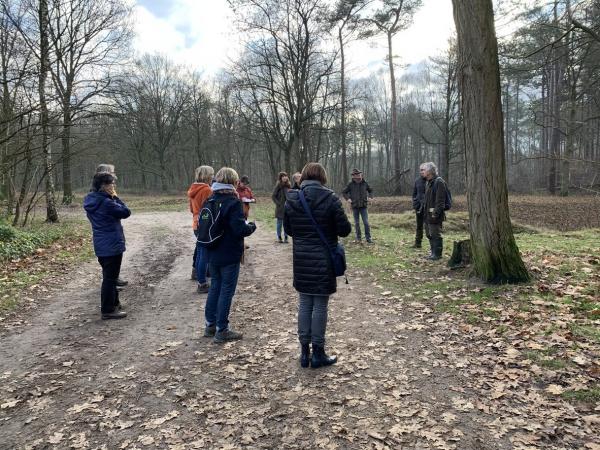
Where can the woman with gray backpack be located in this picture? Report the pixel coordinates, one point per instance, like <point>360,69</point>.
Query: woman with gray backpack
<point>221,231</point>
<point>314,217</point>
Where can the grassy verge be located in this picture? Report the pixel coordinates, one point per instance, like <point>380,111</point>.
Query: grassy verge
<point>31,258</point>
<point>555,319</point>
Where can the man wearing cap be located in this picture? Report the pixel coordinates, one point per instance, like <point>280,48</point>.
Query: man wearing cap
<point>357,193</point>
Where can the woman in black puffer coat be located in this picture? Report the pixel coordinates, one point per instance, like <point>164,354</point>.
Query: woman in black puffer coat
<point>314,277</point>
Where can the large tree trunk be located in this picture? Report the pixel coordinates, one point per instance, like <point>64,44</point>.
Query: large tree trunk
<point>51,212</point>
<point>395,134</point>
<point>494,250</point>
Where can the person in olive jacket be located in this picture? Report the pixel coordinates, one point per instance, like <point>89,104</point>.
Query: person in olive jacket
<point>225,256</point>
<point>435,200</point>
<point>314,277</point>
<point>418,200</point>
<point>104,211</point>
<point>279,197</point>
<point>358,192</point>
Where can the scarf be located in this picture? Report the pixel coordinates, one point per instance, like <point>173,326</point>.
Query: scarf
<point>222,187</point>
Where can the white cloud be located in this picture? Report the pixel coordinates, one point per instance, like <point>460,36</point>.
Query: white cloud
<point>433,25</point>
<point>202,34</point>
<point>197,33</point>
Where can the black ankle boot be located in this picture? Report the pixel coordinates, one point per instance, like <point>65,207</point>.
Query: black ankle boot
<point>320,358</point>
<point>305,355</point>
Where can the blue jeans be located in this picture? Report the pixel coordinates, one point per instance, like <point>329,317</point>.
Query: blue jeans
<point>362,212</point>
<point>200,263</point>
<point>312,319</point>
<point>279,228</point>
<point>220,295</point>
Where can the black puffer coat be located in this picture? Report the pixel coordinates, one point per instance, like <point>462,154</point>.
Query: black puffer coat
<point>313,271</point>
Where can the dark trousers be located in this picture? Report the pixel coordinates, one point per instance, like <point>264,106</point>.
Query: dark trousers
<point>200,263</point>
<point>419,234</point>
<point>312,319</point>
<point>359,213</point>
<point>434,234</point>
<point>111,268</point>
<point>220,294</point>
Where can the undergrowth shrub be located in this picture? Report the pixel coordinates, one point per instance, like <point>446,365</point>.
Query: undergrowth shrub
<point>16,243</point>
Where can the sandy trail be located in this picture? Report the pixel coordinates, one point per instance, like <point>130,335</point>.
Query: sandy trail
<point>70,380</point>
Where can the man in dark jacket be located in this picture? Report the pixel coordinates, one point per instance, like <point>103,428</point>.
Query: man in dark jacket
<point>418,200</point>
<point>358,192</point>
<point>105,211</point>
<point>435,201</point>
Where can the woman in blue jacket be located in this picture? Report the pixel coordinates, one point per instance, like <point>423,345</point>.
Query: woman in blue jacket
<point>105,211</point>
<point>225,256</point>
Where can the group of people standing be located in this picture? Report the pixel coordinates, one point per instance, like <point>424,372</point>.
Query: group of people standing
<point>305,210</point>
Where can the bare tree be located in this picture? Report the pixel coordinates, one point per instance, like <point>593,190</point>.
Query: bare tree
<point>44,55</point>
<point>392,17</point>
<point>87,38</point>
<point>285,71</point>
<point>495,253</point>
<point>346,20</point>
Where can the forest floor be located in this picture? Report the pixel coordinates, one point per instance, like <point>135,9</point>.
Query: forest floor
<point>428,358</point>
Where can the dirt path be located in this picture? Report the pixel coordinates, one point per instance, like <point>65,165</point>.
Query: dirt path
<point>69,380</point>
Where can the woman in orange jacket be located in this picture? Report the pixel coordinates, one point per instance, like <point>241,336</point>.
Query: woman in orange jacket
<point>198,193</point>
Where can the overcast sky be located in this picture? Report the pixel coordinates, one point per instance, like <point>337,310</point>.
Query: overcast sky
<point>201,34</point>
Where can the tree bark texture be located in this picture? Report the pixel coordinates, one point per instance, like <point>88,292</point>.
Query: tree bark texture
<point>394,107</point>
<point>494,250</point>
<point>51,212</point>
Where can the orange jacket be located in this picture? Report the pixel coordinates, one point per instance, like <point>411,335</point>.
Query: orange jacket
<point>198,193</point>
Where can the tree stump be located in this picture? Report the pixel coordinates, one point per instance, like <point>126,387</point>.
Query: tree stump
<point>461,254</point>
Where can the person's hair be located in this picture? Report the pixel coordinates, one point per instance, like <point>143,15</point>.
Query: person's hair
<point>296,175</point>
<point>430,167</point>
<point>227,175</point>
<point>204,174</point>
<point>314,171</point>
<point>102,179</point>
<point>244,179</point>
<point>280,179</point>
<point>105,168</point>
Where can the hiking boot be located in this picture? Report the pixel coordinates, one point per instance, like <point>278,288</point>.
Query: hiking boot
<point>320,358</point>
<point>226,336</point>
<point>305,355</point>
<point>417,244</point>
<point>433,257</point>
<point>193,276</point>
<point>202,288</point>
<point>210,330</point>
<point>114,315</point>
<point>369,241</point>
<point>121,282</point>
<point>279,240</point>
<point>285,241</point>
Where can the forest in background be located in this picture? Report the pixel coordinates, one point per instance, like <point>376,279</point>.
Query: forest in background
<point>74,94</point>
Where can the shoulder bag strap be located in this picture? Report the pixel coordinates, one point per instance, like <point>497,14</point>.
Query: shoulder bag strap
<point>317,227</point>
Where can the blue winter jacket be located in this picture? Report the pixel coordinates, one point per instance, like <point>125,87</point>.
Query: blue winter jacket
<point>105,213</point>
<point>230,247</point>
